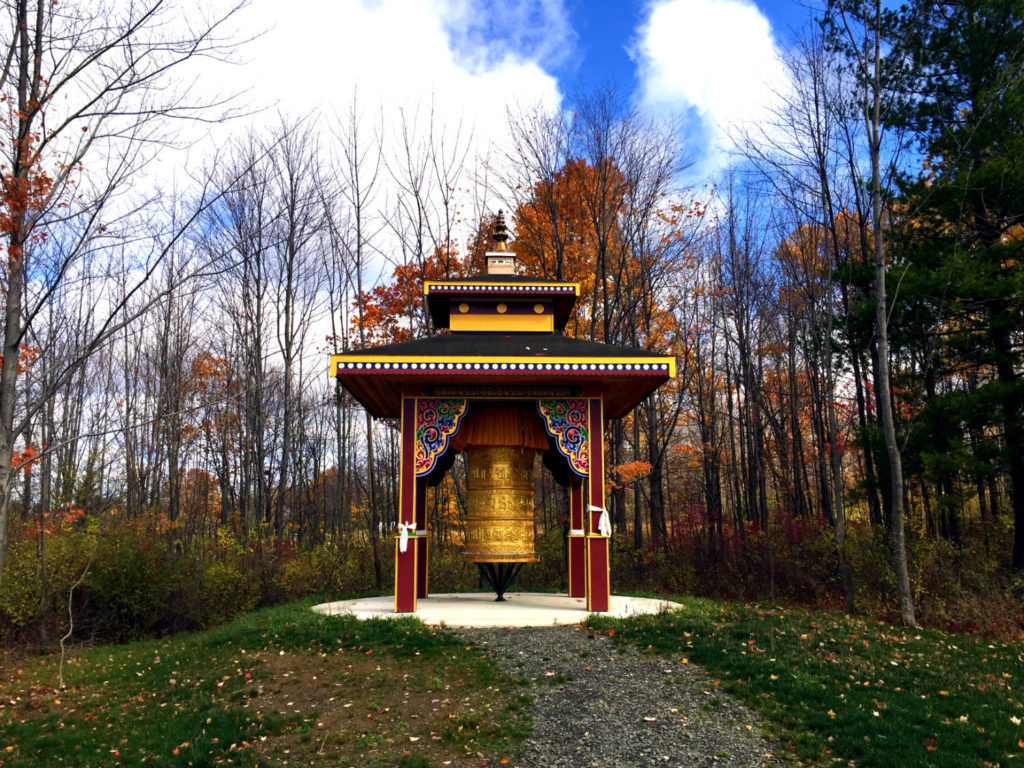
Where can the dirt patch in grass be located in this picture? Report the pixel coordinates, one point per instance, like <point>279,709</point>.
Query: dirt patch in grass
<point>183,703</point>
<point>361,709</point>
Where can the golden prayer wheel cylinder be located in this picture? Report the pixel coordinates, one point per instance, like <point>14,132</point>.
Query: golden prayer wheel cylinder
<point>499,522</point>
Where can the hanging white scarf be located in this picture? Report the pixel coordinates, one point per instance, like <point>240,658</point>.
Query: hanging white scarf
<point>604,523</point>
<point>404,529</point>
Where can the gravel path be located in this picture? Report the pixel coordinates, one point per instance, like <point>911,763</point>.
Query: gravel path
<point>599,706</point>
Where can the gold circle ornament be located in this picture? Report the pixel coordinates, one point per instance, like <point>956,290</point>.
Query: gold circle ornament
<point>502,309</point>
<point>538,308</point>
<point>463,307</point>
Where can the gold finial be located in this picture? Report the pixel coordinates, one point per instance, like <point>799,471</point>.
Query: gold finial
<point>500,234</point>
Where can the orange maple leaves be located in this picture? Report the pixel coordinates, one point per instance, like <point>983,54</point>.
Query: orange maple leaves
<point>23,460</point>
<point>26,358</point>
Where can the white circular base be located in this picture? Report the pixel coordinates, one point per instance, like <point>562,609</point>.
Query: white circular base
<point>480,609</point>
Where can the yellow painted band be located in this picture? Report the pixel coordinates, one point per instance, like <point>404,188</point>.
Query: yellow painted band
<point>502,323</point>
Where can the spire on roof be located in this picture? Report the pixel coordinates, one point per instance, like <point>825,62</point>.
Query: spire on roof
<point>500,234</point>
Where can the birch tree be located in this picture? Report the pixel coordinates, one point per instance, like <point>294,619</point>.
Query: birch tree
<point>859,27</point>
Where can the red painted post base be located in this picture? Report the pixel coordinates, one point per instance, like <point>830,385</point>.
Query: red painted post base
<point>598,573</point>
<point>421,563</point>
<point>577,565</point>
<point>405,576</point>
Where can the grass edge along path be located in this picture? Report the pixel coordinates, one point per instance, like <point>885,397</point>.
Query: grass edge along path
<point>280,684</point>
<point>841,688</point>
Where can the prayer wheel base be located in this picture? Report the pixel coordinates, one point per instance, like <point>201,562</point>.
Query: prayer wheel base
<point>500,576</point>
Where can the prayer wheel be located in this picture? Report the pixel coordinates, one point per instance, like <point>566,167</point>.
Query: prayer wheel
<point>499,520</point>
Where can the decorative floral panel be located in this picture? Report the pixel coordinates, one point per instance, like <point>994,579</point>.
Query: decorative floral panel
<point>436,421</point>
<point>566,421</point>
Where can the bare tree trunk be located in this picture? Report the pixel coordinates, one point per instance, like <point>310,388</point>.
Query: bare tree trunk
<point>360,169</point>
<point>865,49</point>
<point>883,385</point>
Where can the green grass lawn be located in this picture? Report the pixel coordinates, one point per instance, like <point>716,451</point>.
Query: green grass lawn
<point>286,686</point>
<point>838,688</point>
<point>283,686</point>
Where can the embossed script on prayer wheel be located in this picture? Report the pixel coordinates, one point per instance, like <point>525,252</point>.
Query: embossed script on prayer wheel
<point>499,522</point>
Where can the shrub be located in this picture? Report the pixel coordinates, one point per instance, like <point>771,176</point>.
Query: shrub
<point>33,600</point>
<point>129,585</point>
<point>449,571</point>
<point>144,580</point>
<point>225,591</point>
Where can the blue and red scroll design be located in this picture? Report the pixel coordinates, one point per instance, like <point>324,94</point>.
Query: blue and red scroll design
<point>566,421</point>
<point>436,421</point>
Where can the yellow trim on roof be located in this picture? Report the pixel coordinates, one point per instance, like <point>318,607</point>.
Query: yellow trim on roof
<point>500,285</point>
<point>515,360</point>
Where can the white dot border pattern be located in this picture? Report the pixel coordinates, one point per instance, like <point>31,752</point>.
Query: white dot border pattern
<point>559,367</point>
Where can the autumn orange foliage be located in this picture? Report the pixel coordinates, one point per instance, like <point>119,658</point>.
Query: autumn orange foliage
<point>396,311</point>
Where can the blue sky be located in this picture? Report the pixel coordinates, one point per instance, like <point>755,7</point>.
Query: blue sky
<point>606,31</point>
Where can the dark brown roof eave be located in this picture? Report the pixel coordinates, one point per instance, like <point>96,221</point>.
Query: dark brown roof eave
<point>472,344</point>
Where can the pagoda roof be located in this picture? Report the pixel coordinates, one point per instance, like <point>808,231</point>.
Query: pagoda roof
<point>379,376</point>
<point>441,293</point>
<point>501,280</point>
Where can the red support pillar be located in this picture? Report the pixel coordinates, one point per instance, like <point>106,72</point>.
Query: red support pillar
<point>421,538</point>
<point>406,568</point>
<point>598,555</point>
<point>577,543</point>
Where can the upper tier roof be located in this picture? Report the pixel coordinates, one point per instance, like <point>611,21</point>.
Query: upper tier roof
<point>556,297</point>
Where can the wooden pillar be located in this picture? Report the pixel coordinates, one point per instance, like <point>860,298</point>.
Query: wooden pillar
<point>406,568</point>
<point>577,542</point>
<point>598,554</point>
<point>421,538</point>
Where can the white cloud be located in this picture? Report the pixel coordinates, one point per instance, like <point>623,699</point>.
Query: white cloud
<point>717,59</point>
<point>400,53</point>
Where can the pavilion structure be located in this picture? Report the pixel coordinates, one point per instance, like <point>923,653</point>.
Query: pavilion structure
<point>500,381</point>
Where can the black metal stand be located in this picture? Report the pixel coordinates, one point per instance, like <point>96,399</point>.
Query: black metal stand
<point>500,576</point>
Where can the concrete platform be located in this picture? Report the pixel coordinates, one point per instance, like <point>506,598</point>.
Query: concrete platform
<point>479,609</point>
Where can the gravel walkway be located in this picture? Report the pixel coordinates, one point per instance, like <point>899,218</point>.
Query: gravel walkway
<point>599,706</point>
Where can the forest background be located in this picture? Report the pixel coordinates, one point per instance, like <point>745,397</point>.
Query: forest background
<point>844,305</point>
